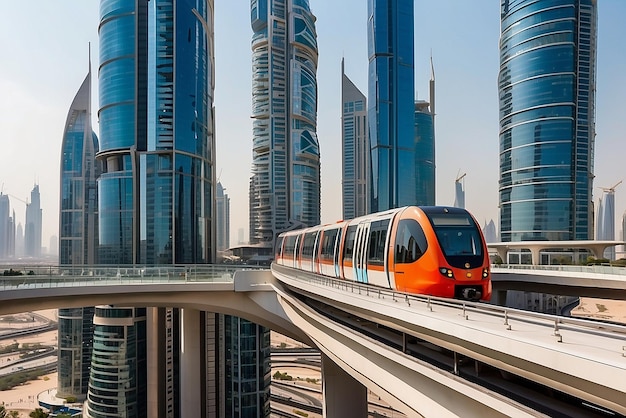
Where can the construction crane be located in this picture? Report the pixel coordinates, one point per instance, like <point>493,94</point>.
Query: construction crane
<point>611,189</point>
<point>459,178</point>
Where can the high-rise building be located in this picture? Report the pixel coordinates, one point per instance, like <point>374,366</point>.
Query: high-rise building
<point>459,191</point>
<point>32,233</point>
<point>156,132</point>
<point>5,226</point>
<point>78,221</point>
<point>157,189</point>
<point>246,367</point>
<point>390,106</point>
<point>19,239</point>
<point>222,219</point>
<point>605,225</point>
<point>547,119</point>
<point>117,387</point>
<point>424,147</point>
<point>285,183</point>
<point>354,149</point>
<point>78,238</point>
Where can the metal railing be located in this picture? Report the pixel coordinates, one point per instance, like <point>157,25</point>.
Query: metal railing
<point>71,276</point>
<point>507,316</point>
<point>595,268</point>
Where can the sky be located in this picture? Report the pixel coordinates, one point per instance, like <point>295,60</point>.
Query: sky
<point>45,59</point>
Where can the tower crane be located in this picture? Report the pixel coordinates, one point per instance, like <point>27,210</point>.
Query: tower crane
<point>611,189</point>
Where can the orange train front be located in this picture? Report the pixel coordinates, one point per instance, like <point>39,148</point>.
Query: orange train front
<point>429,250</point>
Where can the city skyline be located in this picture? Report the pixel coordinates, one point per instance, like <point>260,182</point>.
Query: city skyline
<point>42,77</point>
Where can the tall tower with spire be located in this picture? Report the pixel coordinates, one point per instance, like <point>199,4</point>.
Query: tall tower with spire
<point>78,237</point>
<point>354,149</point>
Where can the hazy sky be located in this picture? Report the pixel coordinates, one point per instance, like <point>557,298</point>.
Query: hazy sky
<point>44,49</point>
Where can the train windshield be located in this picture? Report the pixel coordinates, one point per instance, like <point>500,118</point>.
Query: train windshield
<point>458,234</point>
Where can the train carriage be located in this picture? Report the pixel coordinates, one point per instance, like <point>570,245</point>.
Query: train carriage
<point>430,250</point>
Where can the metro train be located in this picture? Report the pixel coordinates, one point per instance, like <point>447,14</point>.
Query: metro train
<point>427,250</point>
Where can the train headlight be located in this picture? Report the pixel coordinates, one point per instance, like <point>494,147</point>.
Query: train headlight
<point>446,272</point>
<point>485,273</point>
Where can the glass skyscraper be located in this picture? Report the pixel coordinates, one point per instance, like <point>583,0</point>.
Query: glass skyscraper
<point>78,223</point>
<point>355,149</point>
<point>156,131</point>
<point>78,238</point>
<point>390,107</point>
<point>222,217</point>
<point>285,183</point>
<point>117,385</point>
<point>157,190</point>
<point>547,119</point>
<point>423,151</point>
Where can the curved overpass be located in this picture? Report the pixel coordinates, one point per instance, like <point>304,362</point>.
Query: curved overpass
<point>249,294</point>
<point>562,354</point>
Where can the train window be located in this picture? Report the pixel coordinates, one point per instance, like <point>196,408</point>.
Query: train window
<point>457,234</point>
<point>410,241</point>
<point>308,245</point>
<point>378,236</point>
<point>290,245</point>
<point>349,245</point>
<point>328,244</point>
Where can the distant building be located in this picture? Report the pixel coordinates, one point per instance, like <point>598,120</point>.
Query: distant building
<point>222,219</point>
<point>489,231</point>
<point>5,227</point>
<point>390,104</point>
<point>19,240</point>
<point>32,233</point>
<point>605,226</point>
<point>459,192</point>
<point>53,249</point>
<point>285,184</point>
<point>424,148</point>
<point>547,85</point>
<point>354,149</point>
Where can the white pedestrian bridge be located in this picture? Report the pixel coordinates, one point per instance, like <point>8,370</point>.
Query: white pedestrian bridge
<point>424,356</point>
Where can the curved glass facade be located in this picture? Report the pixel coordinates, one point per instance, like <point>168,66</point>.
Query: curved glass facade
<point>117,384</point>
<point>78,238</point>
<point>285,183</point>
<point>156,126</point>
<point>547,119</point>
<point>390,108</point>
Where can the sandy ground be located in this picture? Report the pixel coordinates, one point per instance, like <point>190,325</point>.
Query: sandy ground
<point>23,399</point>
<point>602,309</point>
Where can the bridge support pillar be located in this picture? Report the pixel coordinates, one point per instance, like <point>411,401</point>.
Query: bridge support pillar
<point>344,396</point>
<point>190,370</point>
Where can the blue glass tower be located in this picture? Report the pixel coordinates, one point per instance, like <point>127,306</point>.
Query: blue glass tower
<point>78,238</point>
<point>424,148</point>
<point>390,108</point>
<point>156,131</point>
<point>547,119</point>
<point>285,183</point>
<point>157,189</point>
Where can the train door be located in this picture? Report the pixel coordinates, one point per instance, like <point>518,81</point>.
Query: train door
<point>336,251</point>
<point>360,252</point>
